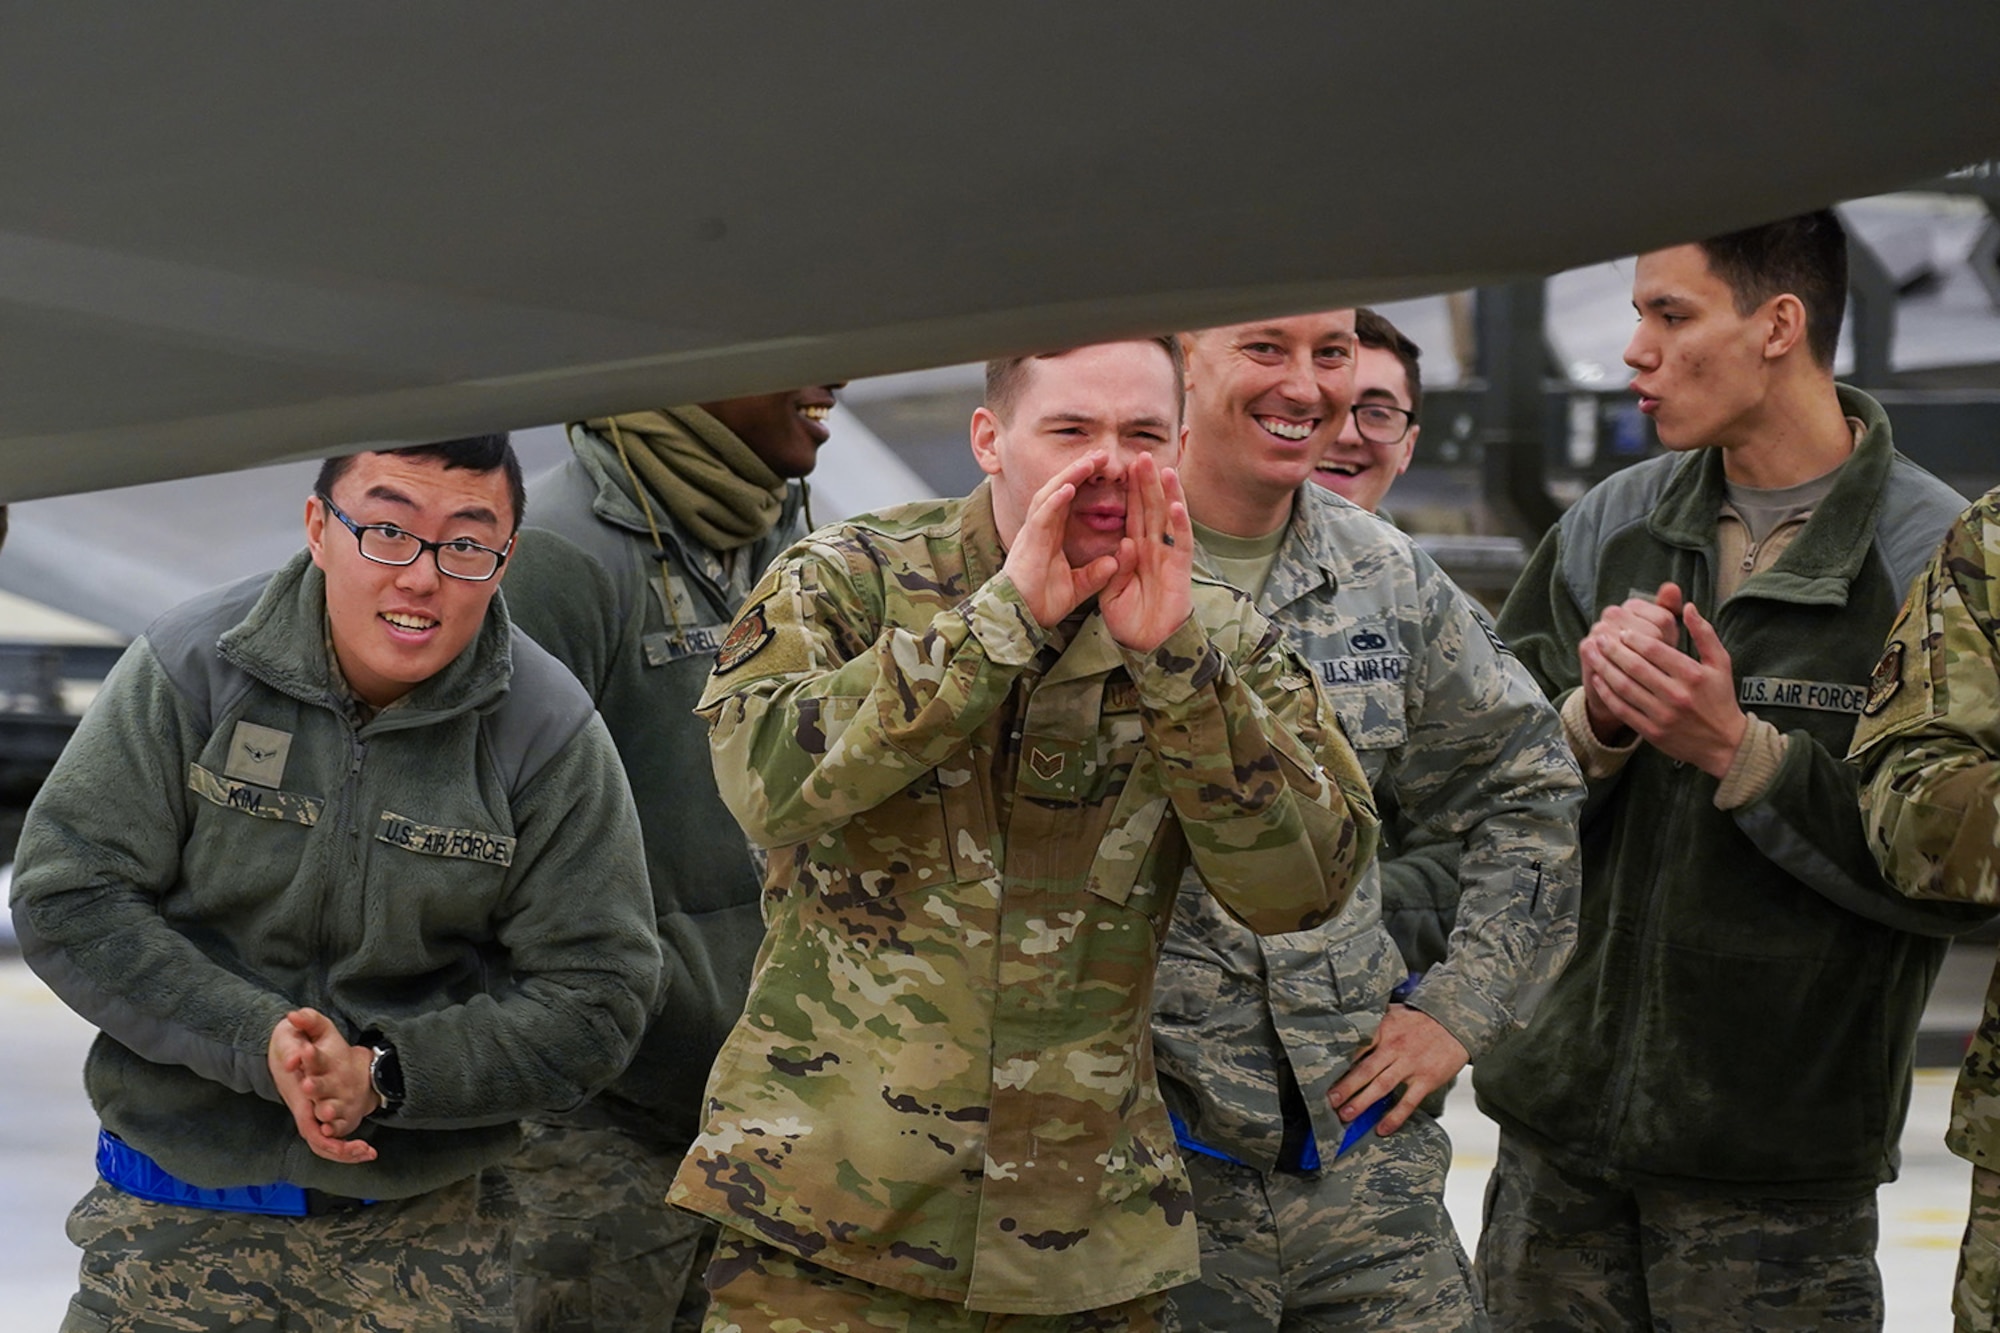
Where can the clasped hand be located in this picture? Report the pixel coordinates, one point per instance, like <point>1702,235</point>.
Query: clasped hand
<point>1144,589</point>
<point>1636,680</point>
<point>325,1083</point>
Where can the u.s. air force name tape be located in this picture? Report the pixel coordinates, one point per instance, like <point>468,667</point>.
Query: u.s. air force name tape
<point>1825,696</point>
<point>1362,670</point>
<point>468,844</point>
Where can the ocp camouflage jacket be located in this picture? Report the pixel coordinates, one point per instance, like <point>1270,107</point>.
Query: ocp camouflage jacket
<point>1743,1003</point>
<point>1931,749</point>
<point>1455,731</point>
<point>219,844</point>
<point>943,1082</point>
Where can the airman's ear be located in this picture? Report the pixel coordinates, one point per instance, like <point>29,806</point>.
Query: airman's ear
<point>986,441</point>
<point>316,529</point>
<point>1787,315</point>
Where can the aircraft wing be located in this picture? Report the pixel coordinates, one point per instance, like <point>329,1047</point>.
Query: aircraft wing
<point>234,233</point>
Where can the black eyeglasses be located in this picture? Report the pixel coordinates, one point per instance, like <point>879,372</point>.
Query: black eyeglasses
<point>1379,423</point>
<point>387,544</point>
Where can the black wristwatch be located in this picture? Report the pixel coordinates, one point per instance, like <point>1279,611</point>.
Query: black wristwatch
<point>385,1072</point>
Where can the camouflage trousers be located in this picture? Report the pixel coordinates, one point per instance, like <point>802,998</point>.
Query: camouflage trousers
<point>431,1264</point>
<point>1562,1250</point>
<point>758,1288</point>
<point>597,1245</point>
<point>1975,1297</point>
<point>1365,1243</point>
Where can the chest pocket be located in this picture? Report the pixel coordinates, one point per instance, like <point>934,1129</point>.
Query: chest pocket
<point>899,845</point>
<point>1373,718</point>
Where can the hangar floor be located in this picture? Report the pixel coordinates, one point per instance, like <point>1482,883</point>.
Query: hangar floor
<point>46,1145</point>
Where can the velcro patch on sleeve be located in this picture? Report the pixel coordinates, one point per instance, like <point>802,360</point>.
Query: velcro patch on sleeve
<point>250,799</point>
<point>746,638</point>
<point>466,844</point>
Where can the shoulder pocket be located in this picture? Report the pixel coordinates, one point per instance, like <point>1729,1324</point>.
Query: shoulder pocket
<point>250,799</point>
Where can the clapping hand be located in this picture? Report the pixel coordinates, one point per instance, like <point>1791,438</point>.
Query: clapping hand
<point>324,1083</point>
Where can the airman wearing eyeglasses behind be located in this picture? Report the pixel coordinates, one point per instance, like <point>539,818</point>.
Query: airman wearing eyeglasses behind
<point>1379,437</point>
<point>310,864</point>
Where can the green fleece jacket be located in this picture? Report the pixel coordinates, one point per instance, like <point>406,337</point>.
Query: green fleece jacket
<point>586,584</point>
<point>1742,1005</point>
<point>220,843</point>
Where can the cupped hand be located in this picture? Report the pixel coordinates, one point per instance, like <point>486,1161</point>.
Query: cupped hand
<point>1151,593</point>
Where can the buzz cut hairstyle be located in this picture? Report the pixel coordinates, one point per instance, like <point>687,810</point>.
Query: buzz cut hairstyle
<point>1805,255</point>
<point>1006,376</point>
<point>1373,329</point>
<point>474,453</point>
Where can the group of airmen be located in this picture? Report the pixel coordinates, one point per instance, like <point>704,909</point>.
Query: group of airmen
<point>1061,908</point>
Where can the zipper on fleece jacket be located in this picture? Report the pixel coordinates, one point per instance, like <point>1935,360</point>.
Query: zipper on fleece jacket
<point>346,829</point>
<point>1616,1106</point>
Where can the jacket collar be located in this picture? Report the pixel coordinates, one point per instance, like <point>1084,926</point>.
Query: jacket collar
<point>283,642</point>
<point>1823,559</point>
<point>1310,559</point>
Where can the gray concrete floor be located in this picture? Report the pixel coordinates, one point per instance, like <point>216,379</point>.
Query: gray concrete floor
<point>47,1137</point>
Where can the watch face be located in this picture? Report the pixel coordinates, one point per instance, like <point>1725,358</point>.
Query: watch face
<point>385,1072</point>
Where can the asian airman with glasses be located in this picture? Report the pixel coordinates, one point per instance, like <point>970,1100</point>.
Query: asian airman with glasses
<point>310,864</point>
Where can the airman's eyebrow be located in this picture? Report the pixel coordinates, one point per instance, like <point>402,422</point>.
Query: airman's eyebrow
<point>470,514</point>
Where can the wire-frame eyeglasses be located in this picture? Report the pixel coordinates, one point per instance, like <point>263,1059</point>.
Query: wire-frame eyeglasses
<point>387,544</point>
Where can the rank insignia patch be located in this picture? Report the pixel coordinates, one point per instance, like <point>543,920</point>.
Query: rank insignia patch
<point>1885,680</point>
<point>746,639</point>
<point>257,754</point>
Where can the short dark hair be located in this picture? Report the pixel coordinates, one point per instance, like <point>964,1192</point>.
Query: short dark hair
<point>1372,329</point>
<point>1805,255</point>
<point>1005,376</point>
<point>474,453</point>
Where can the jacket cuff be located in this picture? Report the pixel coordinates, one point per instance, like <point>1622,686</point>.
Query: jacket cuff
<point>1758,757</point>
<point>1459,1008</point>
<point>1184,663</point>
<point>1597,759</point>
<point>999,619</point>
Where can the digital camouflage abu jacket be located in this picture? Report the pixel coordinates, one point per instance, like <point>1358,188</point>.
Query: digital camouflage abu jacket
<point>943,1082</point>
<point>1449,725</point>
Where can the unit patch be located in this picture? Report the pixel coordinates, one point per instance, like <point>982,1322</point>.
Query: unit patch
<point>1825,696</point>
<point>467,844</point>
<point>250,799</point>
<point>1885,679</point>
<point>746,639</point>
<point>662,648</point>
<point>257,754</point>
